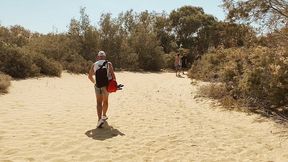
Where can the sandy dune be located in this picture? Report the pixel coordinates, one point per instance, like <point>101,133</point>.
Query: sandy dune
<point>155,118</point>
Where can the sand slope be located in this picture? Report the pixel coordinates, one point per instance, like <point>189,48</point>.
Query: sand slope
<point>155,118</point>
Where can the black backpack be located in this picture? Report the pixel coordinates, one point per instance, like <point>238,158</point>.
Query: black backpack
<point>101,76</point>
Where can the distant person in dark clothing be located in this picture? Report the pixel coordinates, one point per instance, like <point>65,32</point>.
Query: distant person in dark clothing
<point>184,62</point>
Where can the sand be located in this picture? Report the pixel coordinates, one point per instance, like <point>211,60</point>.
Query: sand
<point>154,118</point>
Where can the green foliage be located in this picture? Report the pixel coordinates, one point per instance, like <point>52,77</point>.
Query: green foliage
<point>148,50</point>
<point>17,63</point>
<point>15,35</point>
<point>133,41</point>
<point>111,38</point>
<point>208,67</point>
<point>128,58</point>
<point>188,22</point>
<point>48,66</point>
<point>271,13</point>
<point>20,63</point>
<point>231,35</point>
<point>76,64</point>
<point>169,60</point>
<point>58,48</point>
<point>163,31</point>
<point>84,39</point>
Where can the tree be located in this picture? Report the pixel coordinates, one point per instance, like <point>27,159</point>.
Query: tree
<point>187,22</point>
<point>232,35</point>
<point>15,35</point>
<point>127,22</point>
<point>269,13</point>
<point>84,37</point>
<point>148,49</point>
<point>111,38</point>
<point>164,34</point>
<point>74,35</point>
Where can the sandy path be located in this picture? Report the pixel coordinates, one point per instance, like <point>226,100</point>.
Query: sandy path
<point>155,118</point>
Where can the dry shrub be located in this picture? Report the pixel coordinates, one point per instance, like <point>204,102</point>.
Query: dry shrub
<point>215,91</point>
<point>218,91</point>
<point>229,102</point>
<point>208,67</point>
<point>78,67</point>
<point>76,64</point>
<point>48,66</point>
<point>17,63</point>
<point>265,77</point>
<point>129,60</point>
<point>169,60</point>
<point>5,82</point>
<point>260,73</point>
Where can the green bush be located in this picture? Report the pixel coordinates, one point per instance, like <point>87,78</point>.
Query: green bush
<point>129,59</point>
<point>78,67</point>
<point>21,63</point>
<point>17,63</point>
<point>48,66</point>
<point>208,67</point>
<point>5,82</point>
<point>76,64</point>
<point>148,50</point>
<point>169,60</point>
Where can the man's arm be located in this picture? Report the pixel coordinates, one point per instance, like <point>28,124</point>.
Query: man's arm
<point>112,71</point>
<point>90,74</point>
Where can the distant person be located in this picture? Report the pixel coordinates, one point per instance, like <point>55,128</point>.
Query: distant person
<point>103,71</point>
<point>184,63</point>
<point>177,64</point>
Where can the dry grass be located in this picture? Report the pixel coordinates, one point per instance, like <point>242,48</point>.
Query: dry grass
<point>219,92</point>
<point>215,91</point>
<point>5,82</point>
<point>255,77</point>
<point>245,104</point>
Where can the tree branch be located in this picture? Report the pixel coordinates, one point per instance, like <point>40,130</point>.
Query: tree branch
<point>276,9</point>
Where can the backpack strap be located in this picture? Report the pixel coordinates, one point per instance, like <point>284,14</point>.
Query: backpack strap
<point>103,64</point>
<point>108,67</point>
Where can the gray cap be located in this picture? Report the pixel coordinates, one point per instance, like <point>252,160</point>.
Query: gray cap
<point>101,53</point>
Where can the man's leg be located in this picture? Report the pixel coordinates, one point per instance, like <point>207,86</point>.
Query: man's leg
<point>105,104</point>
<point>178,70</point>
<point>99,99</point>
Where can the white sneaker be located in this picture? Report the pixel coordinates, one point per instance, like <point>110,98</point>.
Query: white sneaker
<point>100,123</point>
<point>104,118</point>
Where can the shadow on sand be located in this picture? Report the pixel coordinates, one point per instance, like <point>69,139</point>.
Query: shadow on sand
<point>103,133</point>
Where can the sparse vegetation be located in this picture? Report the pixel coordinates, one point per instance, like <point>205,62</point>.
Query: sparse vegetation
<point>259,73</point>
<point>250,68</point>
<point>256,75</point>
<point>5,81</point>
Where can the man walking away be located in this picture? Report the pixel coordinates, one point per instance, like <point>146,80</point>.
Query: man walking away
<point>103,71</point>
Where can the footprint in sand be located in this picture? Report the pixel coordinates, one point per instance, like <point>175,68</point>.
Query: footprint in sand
<point>11,151</point>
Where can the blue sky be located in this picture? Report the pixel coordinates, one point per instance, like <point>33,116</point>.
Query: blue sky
<point>45,16</point>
